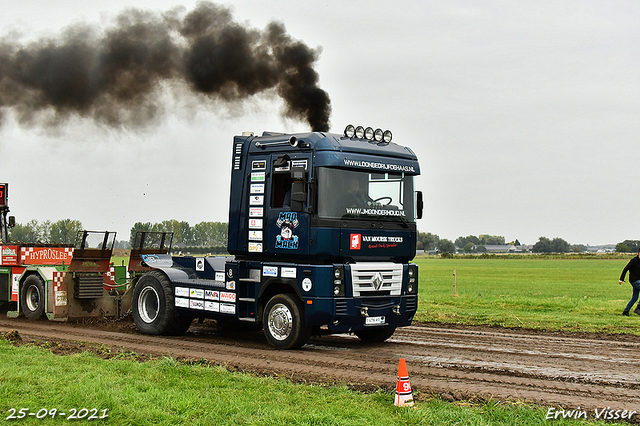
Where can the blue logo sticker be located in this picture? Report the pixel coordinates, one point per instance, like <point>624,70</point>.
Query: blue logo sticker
<point>287,222</point>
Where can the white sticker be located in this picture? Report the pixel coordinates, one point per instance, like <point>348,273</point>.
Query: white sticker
<point>212,294</point>
<point>61,298</point>
<point>307,284</point>
<point>231,285</point>
<point>181,303</point>
<point>288,272</point>
<point>212,306</point>
<point>255,223</point>
<point>196,304</point>
<point>255,247</point>
<point>197,293</point>
<point>227,297</point>
<point>199,264</point>
<point>255,211</point>
<point>227,309</point>
<point>270,271</point>
<point>256,200</point>
<point>299,163</point>
<point>257,177</point>
<point>255,235</point>
<point>219,276</point>
<point>256,188</point>
<point>182,292</point>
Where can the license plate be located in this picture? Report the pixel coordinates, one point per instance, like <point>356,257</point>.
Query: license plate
<point>374,320</point>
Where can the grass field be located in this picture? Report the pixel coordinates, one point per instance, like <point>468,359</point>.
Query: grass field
<point>554,294</point>
<point>165,392</point>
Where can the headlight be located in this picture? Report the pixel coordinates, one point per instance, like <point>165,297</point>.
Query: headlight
<point>387,136</point>
<point>377,135</point>
<point>359,132</point>
<point>412,283</point>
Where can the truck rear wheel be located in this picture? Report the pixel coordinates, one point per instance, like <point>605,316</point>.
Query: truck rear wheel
<point>32,297</point>
<point>283,322</point>
<point>153,306</point>
<point>377,334</point>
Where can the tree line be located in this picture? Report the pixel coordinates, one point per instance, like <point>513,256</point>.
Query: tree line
<point>61,232</point>
<point>477,244</point>
<point>203,234</point>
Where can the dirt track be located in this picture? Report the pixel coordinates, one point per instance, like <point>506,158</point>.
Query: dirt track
<point>587,371</point>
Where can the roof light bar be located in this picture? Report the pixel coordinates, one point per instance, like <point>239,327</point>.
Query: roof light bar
<point>369,134</point>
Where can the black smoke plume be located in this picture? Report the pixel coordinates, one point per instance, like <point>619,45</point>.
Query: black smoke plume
<point>116,76</point>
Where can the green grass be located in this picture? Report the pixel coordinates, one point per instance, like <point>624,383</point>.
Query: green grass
<point>166,392</point>
<point>554,294</point>
<point>120,260</point>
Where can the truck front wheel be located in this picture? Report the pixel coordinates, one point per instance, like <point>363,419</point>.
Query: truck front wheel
<point>32,297</point>
<point>283,322</point>
<point>377,334</point>
<point>153,306</point>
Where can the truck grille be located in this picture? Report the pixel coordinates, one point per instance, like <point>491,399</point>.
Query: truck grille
<point>88,286</point>
<point>379,278</point>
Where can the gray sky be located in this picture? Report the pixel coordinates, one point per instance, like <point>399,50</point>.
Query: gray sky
<point>524,116</point>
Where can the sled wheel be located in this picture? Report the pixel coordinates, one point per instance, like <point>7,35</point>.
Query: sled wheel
<point>32,297</point>
<point>154,308</point>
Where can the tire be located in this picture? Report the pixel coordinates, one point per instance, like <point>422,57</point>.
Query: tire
<point>283,322</point>
<point>153,306</point>
<point>376,335</point>
<point>32,297</point>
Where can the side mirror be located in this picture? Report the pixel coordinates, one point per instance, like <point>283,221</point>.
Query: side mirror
<point>12,221</point>
<point>298,189</point>
<point>298,196</point>
<point>419,204</point>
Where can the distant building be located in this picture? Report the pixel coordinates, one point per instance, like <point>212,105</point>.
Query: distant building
<point>507,248</point>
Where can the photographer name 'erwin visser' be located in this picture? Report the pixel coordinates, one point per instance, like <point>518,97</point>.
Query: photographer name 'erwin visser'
<point>604,413</point>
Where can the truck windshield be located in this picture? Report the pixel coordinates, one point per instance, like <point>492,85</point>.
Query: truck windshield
<point>344,194</point>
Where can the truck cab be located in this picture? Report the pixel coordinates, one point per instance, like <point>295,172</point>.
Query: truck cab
<point>322,229</point>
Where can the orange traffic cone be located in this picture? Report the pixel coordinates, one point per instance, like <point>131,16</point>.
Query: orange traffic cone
<point>404,396</point>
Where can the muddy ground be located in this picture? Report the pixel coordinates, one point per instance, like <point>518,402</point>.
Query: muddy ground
<point>568,370</point>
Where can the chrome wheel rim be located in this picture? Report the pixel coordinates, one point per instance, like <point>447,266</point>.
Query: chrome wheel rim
<point>148,304</point>
<point>280,322</point>
<point>33,298</point>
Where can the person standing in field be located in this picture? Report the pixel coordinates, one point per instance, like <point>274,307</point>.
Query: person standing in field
<point>634,278</point>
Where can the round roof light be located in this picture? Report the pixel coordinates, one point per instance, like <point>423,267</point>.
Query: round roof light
<point>349,131</point>
<point>377,135</point>
<point>387,136</point>
<point>359,132</point>
<point>368,133</point>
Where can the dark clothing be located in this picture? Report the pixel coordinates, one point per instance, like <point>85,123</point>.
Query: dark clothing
<point>634,270</point>
<point>634,296</point>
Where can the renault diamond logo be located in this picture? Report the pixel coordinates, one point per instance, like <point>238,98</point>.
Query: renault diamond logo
<point>377,280</point>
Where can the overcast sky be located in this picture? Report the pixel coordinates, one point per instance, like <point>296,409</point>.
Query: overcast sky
<point>525,116</point>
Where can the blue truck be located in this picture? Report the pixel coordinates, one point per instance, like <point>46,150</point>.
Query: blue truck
<point>322,231</point>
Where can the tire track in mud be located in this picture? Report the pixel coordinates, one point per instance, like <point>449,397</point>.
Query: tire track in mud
<point>455,362</point>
